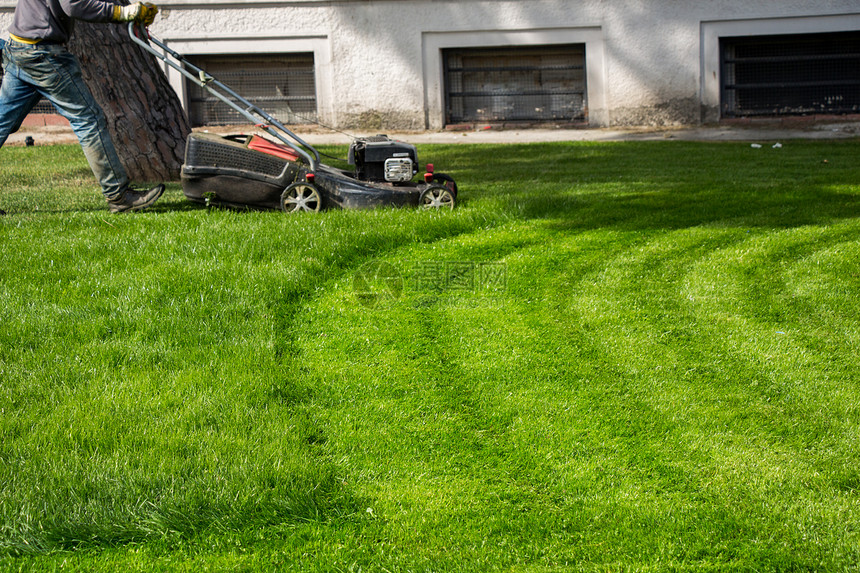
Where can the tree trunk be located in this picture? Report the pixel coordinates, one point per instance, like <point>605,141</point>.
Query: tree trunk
<point>145,119</point>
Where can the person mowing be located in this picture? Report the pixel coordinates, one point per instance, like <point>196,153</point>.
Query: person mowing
<point>37,64</point>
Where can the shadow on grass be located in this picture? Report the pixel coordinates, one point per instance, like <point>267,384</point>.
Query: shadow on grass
<point>668,185</point>
<point>58,204</point>
<point>683,208</point>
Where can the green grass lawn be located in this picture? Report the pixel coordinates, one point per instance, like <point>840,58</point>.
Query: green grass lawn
<point>610,357</point>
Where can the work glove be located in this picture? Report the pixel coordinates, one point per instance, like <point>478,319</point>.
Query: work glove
<point>141,12</point>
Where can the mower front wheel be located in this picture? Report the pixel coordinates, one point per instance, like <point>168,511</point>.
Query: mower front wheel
<point>436,197</point>
<point>301,196</point>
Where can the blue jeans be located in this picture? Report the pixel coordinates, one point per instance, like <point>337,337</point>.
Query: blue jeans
<point>49,70</point>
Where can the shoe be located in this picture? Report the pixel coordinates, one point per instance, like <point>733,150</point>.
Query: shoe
<point>136,199</point>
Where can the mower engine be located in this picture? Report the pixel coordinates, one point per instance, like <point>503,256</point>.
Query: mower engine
<point>380,158</point>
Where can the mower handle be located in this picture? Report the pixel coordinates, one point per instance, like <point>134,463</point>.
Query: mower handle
<point>224,93</point>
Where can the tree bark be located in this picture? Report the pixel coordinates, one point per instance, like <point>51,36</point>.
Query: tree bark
<point>145,119</point>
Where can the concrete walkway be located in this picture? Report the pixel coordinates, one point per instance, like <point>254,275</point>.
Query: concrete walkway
<point>752,132</point>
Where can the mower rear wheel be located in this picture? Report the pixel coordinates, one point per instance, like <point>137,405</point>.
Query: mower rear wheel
<point>436,197</point>
<point>301,196</point>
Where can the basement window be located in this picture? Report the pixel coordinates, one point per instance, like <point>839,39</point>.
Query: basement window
<point>282,85</point>
<point>516,84</point>
<point>797,74</point>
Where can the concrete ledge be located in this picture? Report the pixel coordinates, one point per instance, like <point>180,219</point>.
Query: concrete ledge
<point>791,120</point>
<point>841,127</point>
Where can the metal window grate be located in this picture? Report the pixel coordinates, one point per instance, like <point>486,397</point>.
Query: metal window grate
<point>791,75</point>
<point>534,83</point>
<point>281,84</point>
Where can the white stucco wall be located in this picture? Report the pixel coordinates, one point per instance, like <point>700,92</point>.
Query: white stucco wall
<point>378,62</point>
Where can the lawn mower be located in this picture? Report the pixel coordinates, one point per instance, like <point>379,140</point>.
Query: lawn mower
<point>284,172</point>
